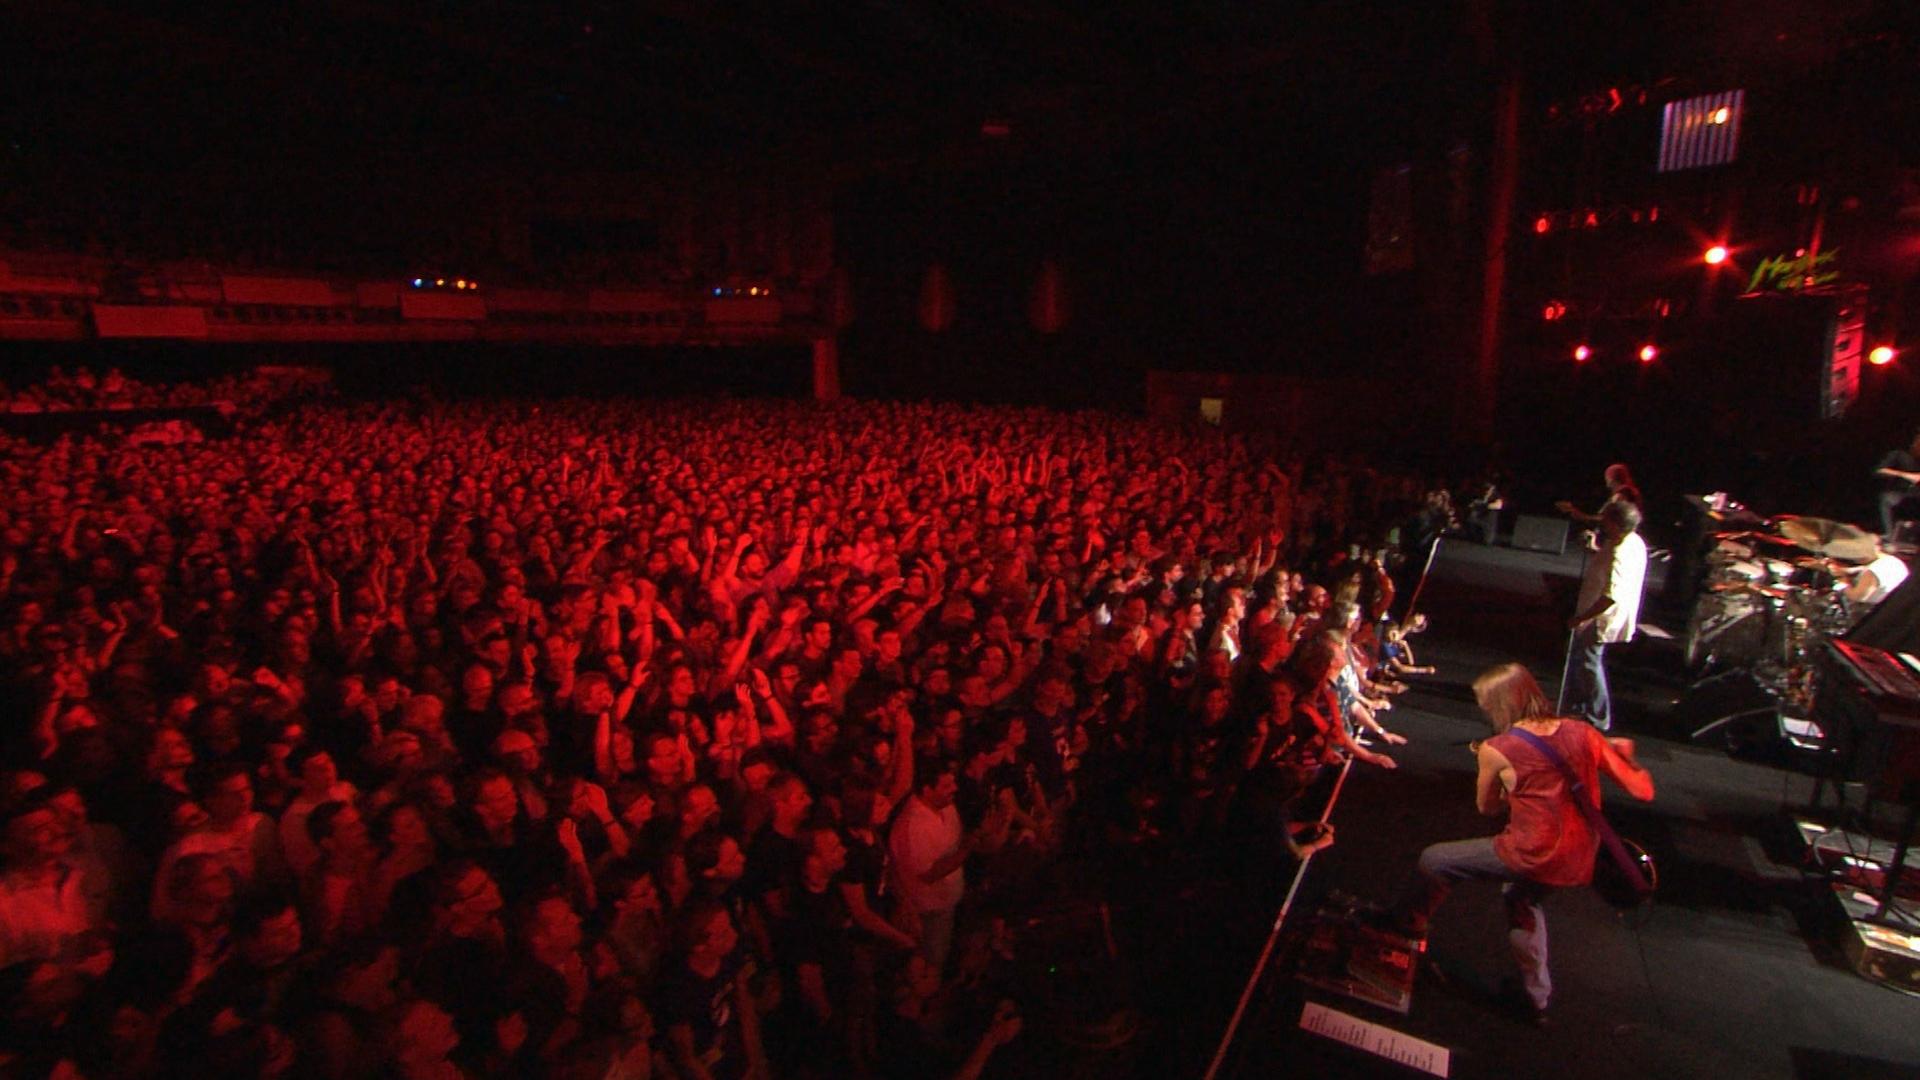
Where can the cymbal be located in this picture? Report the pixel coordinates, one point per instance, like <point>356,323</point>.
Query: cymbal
<point>1823,536</point>
<point>1751,536</point>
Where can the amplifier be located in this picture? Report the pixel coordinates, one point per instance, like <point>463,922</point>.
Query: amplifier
<point>1540,533</point>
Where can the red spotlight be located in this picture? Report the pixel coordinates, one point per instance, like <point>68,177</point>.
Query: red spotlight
<point>1582,353</point>
<point>1715,255</point>
<point>1882,355</point>
<point>1553,311</point>
<point>1542,224</point>
<point>1648,352</point>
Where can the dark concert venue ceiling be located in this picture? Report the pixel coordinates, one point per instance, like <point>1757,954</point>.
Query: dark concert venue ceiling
<point>866,84</point>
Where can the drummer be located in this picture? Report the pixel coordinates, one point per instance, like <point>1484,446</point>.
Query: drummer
<point>1870,584</point>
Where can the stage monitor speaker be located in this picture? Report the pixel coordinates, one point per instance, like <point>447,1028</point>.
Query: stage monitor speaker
<point>1540,533</point>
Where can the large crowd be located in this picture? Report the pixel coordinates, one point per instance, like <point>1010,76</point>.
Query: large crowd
<point>622,738</point>
<point>84,390</point>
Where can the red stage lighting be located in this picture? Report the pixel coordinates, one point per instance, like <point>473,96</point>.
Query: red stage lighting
<point>1882,355</point>
<point>1553,311</point>
<point>1542,224</point>
<point>1648,352</point>
<point>1582,352</point>
<point>1715,255</point>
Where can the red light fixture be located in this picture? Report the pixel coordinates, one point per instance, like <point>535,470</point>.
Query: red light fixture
<point>1554,311</point>
<point>1882,355</point>
<point>1715,255</point>
<point>1648,352</point>
<point>1542,224</point>
<point>1582,353</point>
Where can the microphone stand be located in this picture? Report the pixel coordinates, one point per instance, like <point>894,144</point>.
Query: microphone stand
<point>1273,937</point>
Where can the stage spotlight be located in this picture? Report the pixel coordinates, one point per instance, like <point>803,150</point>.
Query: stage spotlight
<point>1582,353</point>
<point>1542,224</point>
<point>1648,352</point>
<point>1720,115</point>
<point>1716,255</point>
<point>459,283</point>
<point>419,283</point>
<point>439,283</point>
<point>1882,355</point>
<point>1554,311</point>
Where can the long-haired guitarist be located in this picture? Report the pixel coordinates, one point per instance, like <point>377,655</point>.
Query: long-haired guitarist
<point>1548,842</point>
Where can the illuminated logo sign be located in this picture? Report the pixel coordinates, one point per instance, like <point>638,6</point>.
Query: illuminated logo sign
<point>1788,273</point>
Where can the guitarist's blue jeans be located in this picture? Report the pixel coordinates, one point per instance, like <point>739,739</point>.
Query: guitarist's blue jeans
<point>1444,865</point>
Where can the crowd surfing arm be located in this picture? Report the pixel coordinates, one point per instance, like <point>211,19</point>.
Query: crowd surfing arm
<point>582,564</point>
<point>726,575</point>
<point>900,773</point>
<point>593,801</point>
<point>116,632</point>
<point>887,588</point>
<point>778,726</point>
<point>579,873</point>
<point>1363,715</point>
<point>1354,749</point>
<point>423,557</point>
<point>773,645</point>
<point>645,600</point>
<point>789,568</point>
<point>603,767</point>
<point>610,605</point>
<point>736,661</point>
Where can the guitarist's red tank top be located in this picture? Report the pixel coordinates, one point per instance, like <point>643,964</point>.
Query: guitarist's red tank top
<point>1546,839</point>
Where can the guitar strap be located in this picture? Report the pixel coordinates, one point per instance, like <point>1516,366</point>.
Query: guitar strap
<point>1589,809</point>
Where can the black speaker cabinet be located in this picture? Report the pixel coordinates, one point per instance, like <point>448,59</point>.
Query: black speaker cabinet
<point>1540,533</point>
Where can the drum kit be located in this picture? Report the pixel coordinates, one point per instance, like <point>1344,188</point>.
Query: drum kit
<point>1771,597</point>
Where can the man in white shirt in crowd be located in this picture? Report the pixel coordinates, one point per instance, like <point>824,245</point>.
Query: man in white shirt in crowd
<point>1607,613</point>
<point>930,847</point>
